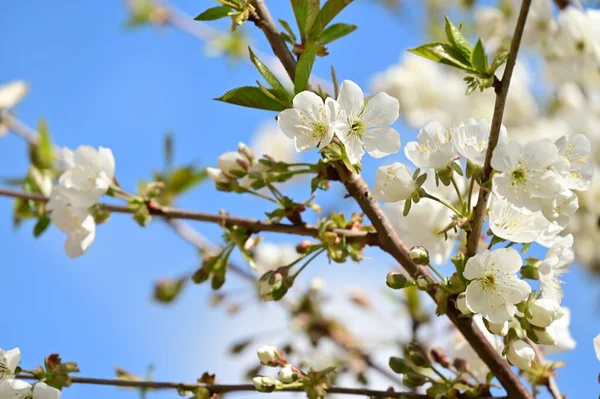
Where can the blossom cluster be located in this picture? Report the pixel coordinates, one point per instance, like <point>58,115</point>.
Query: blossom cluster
<point>87,175</point>
<point>270,356</point>
<point>14,388</point>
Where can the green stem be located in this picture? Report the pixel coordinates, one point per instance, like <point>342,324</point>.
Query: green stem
<point>460,198</point>
<point>437,273</point>
<point>317,253</point>
<point>447,205</point>
<point>260,195</point>
<point>470,194</point>
<point>439,373</point>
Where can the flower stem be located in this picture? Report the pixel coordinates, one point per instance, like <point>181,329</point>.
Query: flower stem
<point>446,204</point>
<point>460,198</point>
<point>261,195</point>
<point>437,273</point>
<point>317,253</point>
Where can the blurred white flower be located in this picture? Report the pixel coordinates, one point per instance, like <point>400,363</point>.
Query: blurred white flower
<point>470,139</point>
<point>560,331</point>
<point>270,140</point>
<point>513,223</point>
<point>557,261</point>
<point>597,346</point>
<point>575,149</point>
<point>87,176</point>
<point>270,256</point>
<point>9,360</point>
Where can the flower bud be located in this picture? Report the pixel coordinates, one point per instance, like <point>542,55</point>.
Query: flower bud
<point>274,284</point>
<point>304,246</point>
<point>413,380</point>
<point>233,164</point>
<point>399,365</point>
<point>440,357</point>
<point>419,255</point>
<point>266,384</point>
<point>216,175</point>
<point>545,336</point>
<point>544,312</point>
<point>520,354</point>
<point>288,374</point>
<point>417,356</point>
<point>247,152</point>
<point>270,356</point>
<point>498,329</point>
<point>461,365</point>
<point>397,281</point>
<point>461,304</point>
<point>424,283</point>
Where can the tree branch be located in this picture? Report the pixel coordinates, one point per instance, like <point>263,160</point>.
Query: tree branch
<point>474,235</point>
<point>224,388</point>
<point>253,225</point>
<point>389,240</point>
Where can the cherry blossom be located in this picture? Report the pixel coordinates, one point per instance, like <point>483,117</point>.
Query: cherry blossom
<point>393,183</point>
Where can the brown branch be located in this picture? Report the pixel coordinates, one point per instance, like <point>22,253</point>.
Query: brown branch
<point>224,388</point>
<point>474,235</point>
<point>253,225</point>
<point>389,240</point>
<point>562,3</point>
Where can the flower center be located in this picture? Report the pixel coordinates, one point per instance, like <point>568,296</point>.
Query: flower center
<point>357,128</point>
<point>489,280</point>
<point>519,177</point>
<point>319,130</point>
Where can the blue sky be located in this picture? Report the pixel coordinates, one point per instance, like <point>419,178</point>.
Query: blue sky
<point>98,84</point>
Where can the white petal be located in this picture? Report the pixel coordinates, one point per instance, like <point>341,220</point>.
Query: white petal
<point>507,260</point>
<point>506,156</point>
<point>12,93</point>
<point>351,98</point>
<point>43,391</point>
<point>381,110</point>
<point>476,265</point>
<point>382,142</point>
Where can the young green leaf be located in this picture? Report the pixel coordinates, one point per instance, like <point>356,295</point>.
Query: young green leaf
<point>443,53</point>
<point>456,37</point>
<point>479,59</point>
<point>304,68</point>
<point>286,26</point>
<point>214,13</point>
<point>41,225</point>
<point>42,153</point>
<point>329,11</point>
<point>253,97</point>
<point>269,76</point>
<point>498,61</point>
<point>335,31</point>
<point>305,12</point>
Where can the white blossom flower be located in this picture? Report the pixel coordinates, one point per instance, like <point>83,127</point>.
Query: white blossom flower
<point>513,223</point>
<point>470,139</point>
<point>288,374</point>
<point>545,336</point>
<point>9,360</point>
<point>555,264</point>
<point>216,175</point>
<point>560,209</point>
<point>560,331</point>
<point>233,164</point>
<point>393,183</point>
<point>312,122</point>
<point>525,176</point>
<point>269,355</point>
<point>14,389</point>
<point>520,354</point>
<point>495,289</point>
<point>433,148</point>
<point>10,95</point>
<point>41,390</point>
<point>269,140</point>
<point>269,256</point>
<point>575,149</point>
<point>544,312</point>
<point>498,328</point>
<point>366,123</point>
<point>461,304</point>
<point>88,174</point>
<point>597,346</point>
<point>77,223</point>
<point>421,226</point>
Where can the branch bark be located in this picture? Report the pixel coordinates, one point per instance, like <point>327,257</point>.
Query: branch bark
<point>224,388</point>
<point>253,225</point>
<point>474,235</point>
<point>389,240</point>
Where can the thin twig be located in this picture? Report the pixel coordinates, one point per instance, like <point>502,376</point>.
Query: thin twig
<point>388,239</point>
<point>252,225</point>
<point>223,388</point>
<point>474,235</point>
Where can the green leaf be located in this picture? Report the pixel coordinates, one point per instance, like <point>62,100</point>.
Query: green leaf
<point>304,68</point>
<point>182,179</point>
<point>407,205</point>
<point>253,97</point>
<point>305,12</point>
<point>479,59</point>
<point>456,168</point>
<point>41,225</point>
<point>336,31</point>
<point>329,11</point>
<point>269,77</point>
<point>443,53</point>
<point>214,13</point>
<point>166,291</point>
<point>499,60</point>
<point>286,26</point>
<point>456,37</point>
<point>42,153</point>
